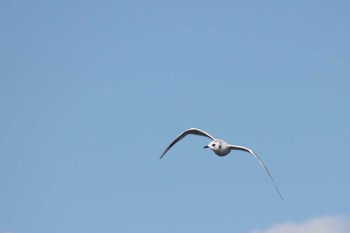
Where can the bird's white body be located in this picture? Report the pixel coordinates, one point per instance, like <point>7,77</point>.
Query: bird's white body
<point>220,148</point>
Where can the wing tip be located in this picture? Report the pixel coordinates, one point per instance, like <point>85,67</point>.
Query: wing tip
<point>280,195</point>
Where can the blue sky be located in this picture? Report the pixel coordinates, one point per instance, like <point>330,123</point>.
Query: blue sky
<point>91,93</point>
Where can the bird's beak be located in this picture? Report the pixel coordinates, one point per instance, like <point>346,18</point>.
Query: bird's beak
<point>206,146</point>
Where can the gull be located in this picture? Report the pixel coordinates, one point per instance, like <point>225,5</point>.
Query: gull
<point>221,148</point>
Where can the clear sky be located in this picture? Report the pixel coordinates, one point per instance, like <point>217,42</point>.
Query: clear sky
<point>91,93</point>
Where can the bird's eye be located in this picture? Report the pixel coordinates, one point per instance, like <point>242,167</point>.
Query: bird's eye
<point>219,146</point>
<point>213,145</point>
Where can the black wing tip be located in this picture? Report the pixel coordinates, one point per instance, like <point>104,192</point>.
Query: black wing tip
<point>281,196</point>
<point>162,155</point>
<point>280,193</point>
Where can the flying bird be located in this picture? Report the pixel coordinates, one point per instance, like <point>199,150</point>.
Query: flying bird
<point>221,148</point>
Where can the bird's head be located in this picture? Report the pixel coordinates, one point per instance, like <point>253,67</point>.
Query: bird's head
<point>214,145</point>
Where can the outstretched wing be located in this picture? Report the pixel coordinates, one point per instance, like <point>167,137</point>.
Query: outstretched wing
<point>184,134</point>
<point>234,147</point>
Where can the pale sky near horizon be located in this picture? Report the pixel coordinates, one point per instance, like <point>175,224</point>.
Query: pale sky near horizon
<point>92,92</point>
